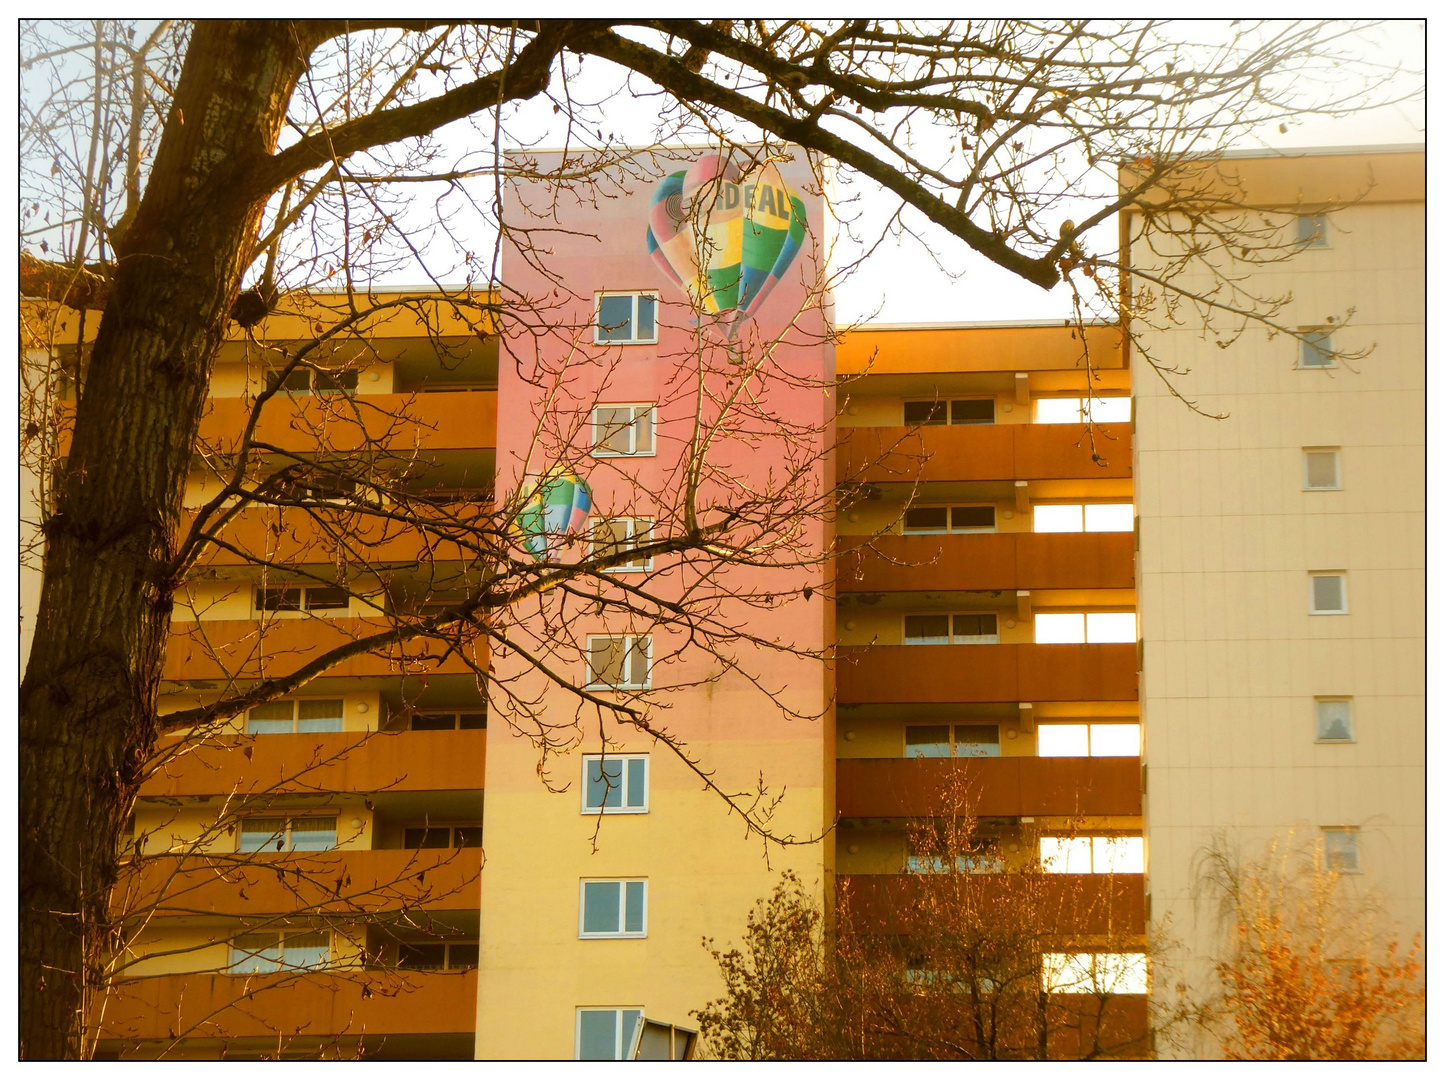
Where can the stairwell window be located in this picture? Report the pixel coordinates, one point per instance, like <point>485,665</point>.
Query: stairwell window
<point>1334,720</point>
<point>1080,627</point>
<point>628,318</point>
<point>605,1034</point>
<point>613,909</point>
<point>1088,740</point>
<point>1327,594</point>
<point>287,834</point>
<point>623,431</point>
<point>614,784</point>
<point>1091,854</point>
<point>301,717</point>
<point>619,663</point>
<point>959,628</point>
<point>1322,468</point>
<point>1316,349</point>
<point>261,954</point>
<point>613,536</point>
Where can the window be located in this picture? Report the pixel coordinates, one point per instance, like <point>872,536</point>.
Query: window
<point>1342,849</point>
<point>302,717</point>
<point>1079,410</point>
<point>605,1034</point>
<point>961,628</point>
<point>942,519</point>
<point>1077,627</point>
<point>287,834</point>
<point>626,318</point>
<point>612,909</point>
<point>441,836</point>
<point>305,381</point>
<point>1312,231</point>
<point>1083,517</point>
<point>938,412</point>
<point>614,783</point>
<point>448,721</point>
<point>297,597</point>
<point>1088,740</point>
<point>1316,349</point>
<point>1091,854</point>
<point>260,954</point>
<point>448,956</point>
<point>619,663</point>
<point>622,431</point>
<point>945,740</point>
<point>1095,973</point>
<point>612,536</point>
<point>1334,720</point>
<point>1322,469</point>
<point>1327,594</point>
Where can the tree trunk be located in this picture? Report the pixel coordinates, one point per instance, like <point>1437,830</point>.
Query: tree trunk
<point>88,699</point>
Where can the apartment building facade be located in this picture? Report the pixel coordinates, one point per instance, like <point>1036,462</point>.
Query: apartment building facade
<point>988,600</point>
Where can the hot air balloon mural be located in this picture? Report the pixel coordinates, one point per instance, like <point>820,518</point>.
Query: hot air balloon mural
<point>555,508</point>
<point>725,239</point>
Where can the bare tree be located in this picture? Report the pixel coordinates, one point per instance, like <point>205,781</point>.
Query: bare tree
<point>285,155</point>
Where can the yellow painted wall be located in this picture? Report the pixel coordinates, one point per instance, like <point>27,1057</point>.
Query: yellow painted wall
<point>363,710</point>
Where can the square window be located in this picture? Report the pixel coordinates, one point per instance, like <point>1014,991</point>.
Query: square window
<point>272,718</point>
<point>973,411</point>
<point>1096,973</point>
<point>925,629</point>
<point>262,834</point>
<point>1113,740</point>
<point>975,740</point>
<point>1065,854</point>
<point>278,598</point>
<point>925,519</point>
<point>1118,854</point>
<point>1312,231</point>
<point>1322,470</point>
<point>613,536</point>
<point>313,834</point>
<point>422,957</point>
<point>926,741</point>
<point>306,951</point>
<point>626,318</point>
<point>255,954</point>
<point>924,413</point>
<point>613,909</point>
<point>295,381</point>
<point>975,629</point>
<point>1104,627</point>
<point>323,714</point>
<point>1316,349</point>
<point>427,836</point>
<point>1327,594</point>
<point>336,382</point>
<point>1059,518</point>
<point>614,784</point>
<point>1109,517</point>
<point>327,598</point>
<point>973,519</point>
<point>467,836</point>
<point>622,431</point>
<point>619,663</point>
<point>1334,720</point>
<point>1063,740</point>
<point>1059,628</point>
<point>1342,849</point>
<point>605,1034</point>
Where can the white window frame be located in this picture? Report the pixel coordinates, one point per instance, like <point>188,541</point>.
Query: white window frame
<point>1320,737</point>
<point>948,527</point>
<point>622,1039</point>
<point>625,759</point>
<point>1350,832</point>
<point>622,932</point>
<point>295,704</point>
<point>638,408</point>
<point>1344,608</point>
<point>629,643</point>
<point>635,295</point>
<point>1322,335</point>
<point>1305,468</point>
<point>594,548</point>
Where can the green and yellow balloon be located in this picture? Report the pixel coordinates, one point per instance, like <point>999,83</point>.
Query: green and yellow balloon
<point>554,511</point>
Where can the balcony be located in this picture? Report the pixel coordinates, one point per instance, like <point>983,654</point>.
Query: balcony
<point>985,452</point>
<point>1073,903</point>
<point>987,561</point>
<point>349,1003</point>
<point>944,674</point>
<point>222,649</point>
<point>996,787</point>
<point>345,422</point>
<point>344,761</point>
<point>339,882</point>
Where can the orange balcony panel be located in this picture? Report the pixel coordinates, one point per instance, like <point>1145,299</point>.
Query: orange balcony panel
<point>987,561</point>
<point>996,787</point>
<point>237,648</point>
<point>1072,903</point>
<point>328,882</point>
<point>461,421</point>
<point>341,761</point>
<point>350,1004</point>
<point>922,674</point>
<point>985,452</point>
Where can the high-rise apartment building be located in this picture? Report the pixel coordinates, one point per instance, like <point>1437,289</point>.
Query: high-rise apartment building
<point>1238,645</point>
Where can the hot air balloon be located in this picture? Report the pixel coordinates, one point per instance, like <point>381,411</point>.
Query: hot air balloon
<point>554,509</point>
<point>725,239</point>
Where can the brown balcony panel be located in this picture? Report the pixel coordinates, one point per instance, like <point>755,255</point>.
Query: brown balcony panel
<point>347,761</point>
<point>942,674</point>
<point>987,561</point>
<point>348,1004</point>
<point>326,882</point>
<point>985,452</point>
<point>1071,903</point>
<point>995,787</point>
<point>236,648</point>
<point>461,421</point>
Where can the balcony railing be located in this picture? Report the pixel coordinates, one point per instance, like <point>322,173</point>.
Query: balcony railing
<point>943,674</point>
<point>344,422</point>
<point>985,452</point>
<point>987,561</point>
<point>995,787</point>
